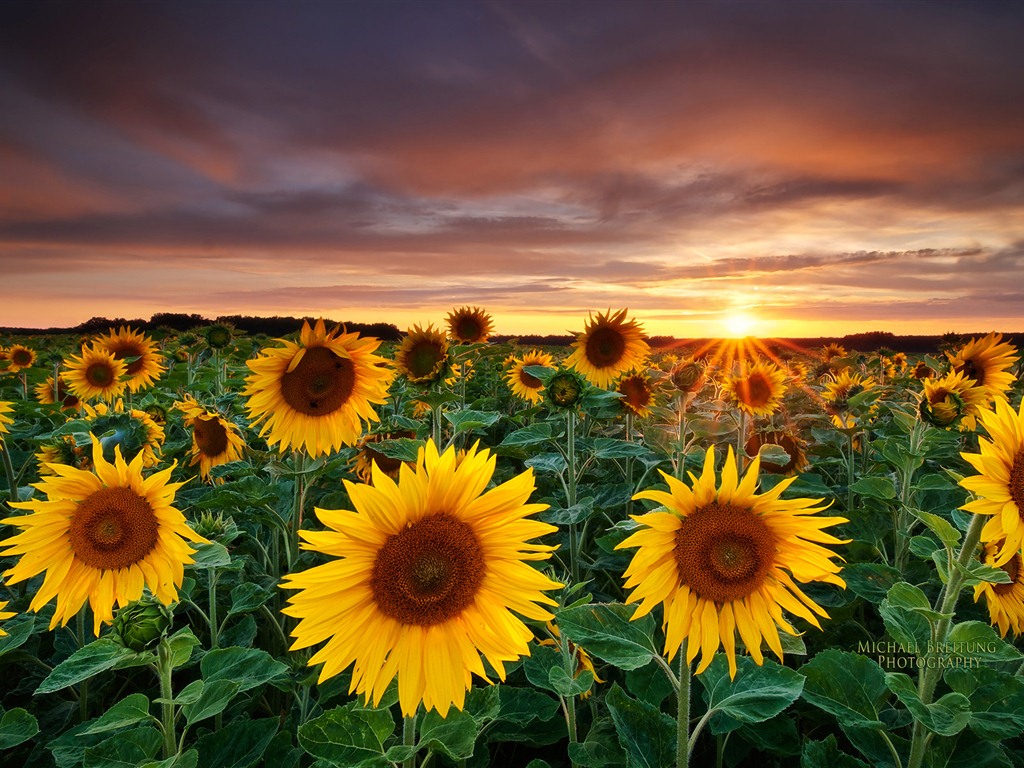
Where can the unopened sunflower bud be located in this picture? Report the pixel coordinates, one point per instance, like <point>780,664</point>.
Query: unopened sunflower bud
<point>141,624</point>
<point>564,389</point>
<point>687,376</point>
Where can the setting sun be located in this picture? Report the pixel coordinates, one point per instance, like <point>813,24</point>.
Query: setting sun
<point>738,324</point>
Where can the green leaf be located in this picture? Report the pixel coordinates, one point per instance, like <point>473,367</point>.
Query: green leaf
<point>124,750</point>
<point>565,684</point>
<point>348,735</point>
<point>213,700</point>
<point>974,640</point>
<point>600,748</point>
<point>946,717</point>
<point>527,436</point>
<point>757,694</point>
<point>248,667</point>
<point>911,598</point>
<point>188,759</point>
<point>524,705</point>
<point>846,685</point>
<point>17,726</point>
<point>611,448</point>
<point>212,555</point>
<point>871,581</point>
<point>578,512</point>
<point>98,656</point>
<point>19,629</point>
<point>649,683</point>
<point>875,487</point>
<point>826,754</point>
<point>538,666</point>
<point>128,711</point>
<point>906,613</point>
<point>466,421</point>
<point>605,631</point>
<point>647,735</point>
<point>239,744</point>
<point>400,448</point>
<point>452,736</point>
<point>997,700</point>
<point>181,644</point>
<point>948,535</point>
<point>547,462</point>
<point>248,597</point>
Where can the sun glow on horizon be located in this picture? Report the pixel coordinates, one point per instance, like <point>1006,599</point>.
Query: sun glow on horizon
<point>738,324</point>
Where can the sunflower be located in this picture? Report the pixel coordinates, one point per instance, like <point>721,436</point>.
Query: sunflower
<point>687,376</point>
<point>68,400</point>
<point>833,350</point>
<point>4,615</point>
<point>3,353</point>
<point>64,451</point>
<point>609,345</point>
<point>565,390</point>
<point>951,401</point>
<point>1000,484</point>
<point>637,390</point>
<point>96,373</point>
<point>841,387</point>
<point>424,578</point>
<point>899,361</point>
<point>215,440</point>
<point>145,364</point>
<point>988,361</point>
<point>134,430</point>
<point>5,420</point>
<point>314,395</point>
<point>422,357</point>
<point>922,371</point>
<point>786,439</point>
<point>522,384</point>
<point>757,390</point>
<point>219,335</point>
<point>103,536</point>
<point>1005,601</point>
<point>366,457</point>
<point>726,560</point>
<point>469,325</point>
<point>20,358</point>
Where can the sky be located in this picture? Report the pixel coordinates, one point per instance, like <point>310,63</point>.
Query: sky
<point>784,169</point>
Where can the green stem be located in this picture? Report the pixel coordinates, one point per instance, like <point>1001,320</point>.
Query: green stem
<point>683,711</point>
<point>849,473</point>
<point>681,463</point>
<point>12,483</point>
<point>741,440</point>
<point>570,428</point>
<point>212,596</point>
<point>167,694</point>
<point>409,739</point>
<point>930,677</point>
<point>435,425</point>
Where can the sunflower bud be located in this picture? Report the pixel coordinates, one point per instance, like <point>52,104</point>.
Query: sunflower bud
<point>942,408</point>
<point>218,336</point>
<point>216,527</point>
<point>564,389</point>
<point>687,376</point>
<point>141,624</point>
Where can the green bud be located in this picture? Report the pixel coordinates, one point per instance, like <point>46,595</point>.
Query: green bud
<point>564,389</point>
<point>141,624</point>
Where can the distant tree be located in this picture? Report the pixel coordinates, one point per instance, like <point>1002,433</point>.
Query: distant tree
<point>176,320</point>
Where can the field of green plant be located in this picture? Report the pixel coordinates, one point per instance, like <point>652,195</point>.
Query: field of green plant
<point>223,551</point>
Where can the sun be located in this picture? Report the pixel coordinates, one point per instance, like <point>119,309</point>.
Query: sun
<point>738,324</point>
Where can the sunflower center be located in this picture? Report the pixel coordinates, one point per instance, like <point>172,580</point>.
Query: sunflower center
<point>1012,568</point>
<point>724,553</point>
<point>756,391</point>
<point>320,384</point>
<point>529,381</point>
<point>971,370</point>
<point>468,329</point>
<point>210,435</point>
<point>21,357</point>
<point>130,350</point>
<point>605,347</point>
<point>636,392</point>
<point>99,375</point>
<point>423,358</point>
<point>429,573</point>
<point>113,528</point>
<point>1016,484</point>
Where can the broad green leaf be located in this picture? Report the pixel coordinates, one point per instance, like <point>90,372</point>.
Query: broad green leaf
<point>547,462</point>
<point>239,744</point>
<point>946,717</point>
<point>974,640</point>
<point>466,421</point>
<point>214,699</point>
<point>17,726</point>
<point>527,436</point>
<point>649,683</point>
<point>565,684</point>
<point>524,705</point>
<point>212,555</point>
<point>605,631</point>
<point>611,448</point>
<point>875,487</point>
<point>871,581</point>
<point>757,694</point>
<point>997,700</point>
<point>18,629</point>
<point>188,759</point>
<point>248,597</point>
<point>846,685</point>
<point>348,735</point>
<point>400,448</point>
<point>98,656</point>
<point>647,735</point>
<point>569,515</point>
<point>538,665</point>
<point>600,748</point>
<point>248,667</point>
<point>124,750</point>
<point>181,644</point>
<point>130,710</point>
<point>826,754</point>
<point>452,736</point>
<point>948,535</point>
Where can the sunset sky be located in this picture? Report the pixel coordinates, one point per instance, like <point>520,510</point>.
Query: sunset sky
<point>820,168</point>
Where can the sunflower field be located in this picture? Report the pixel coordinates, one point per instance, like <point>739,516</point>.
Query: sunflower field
<point>221,550</point>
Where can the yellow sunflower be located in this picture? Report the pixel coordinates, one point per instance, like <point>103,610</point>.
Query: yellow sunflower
<point>786,439</point>
<point>609,345</point>
<point>5,420</point>
<point>315,395</point>
<point>757,390</point>
<point>522,384</point>
<point>366,456</point>
<point>422,357</point>
<point>726,560</point>
<point>687,376</point>
<point>842,386</point>
<point>4,615</point>
<point>424,577</point>
<point>3,353</point>
<point>833,350</point>
<point>922,371</point>
<point>1000,484</point>
<point>953,400</point>
<point>101,536</point>
<point>1005,602</point>
<point>68,400</point>
<point>95,374</point>
<point>988,361</point>
<point>215,440</point>
<point>135,430</point>
<point>63,451</point>
<point>637,390</point>
<point>146,365</point>
<point>20,358</point>
<point>899,361</point>
<point>469,325</point>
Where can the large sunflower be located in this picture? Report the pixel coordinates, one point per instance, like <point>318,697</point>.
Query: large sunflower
<point>469,325</point>
<point>95,374</point>
<point>757,390</point>
<point>68,400</point>
<point>523,384</point>
<point>5,420</point>
<point>609,345</point>
<point>637,390</point>
<point>726,560</point>
<point>101,536</point>
<point>424,578</point>
<point>1005,602</point>
<point>422,357</point>
<point>20,358</point>
<point>146,363</point>
<point>314,395</point>
<point>1000,484</point>
<point>215,440</point>
<point>987,361</point>
<point>951,401</point>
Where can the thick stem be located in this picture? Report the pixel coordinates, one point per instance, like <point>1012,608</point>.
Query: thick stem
<point>435,425</point>
<point>683,712</point>
<point>12,482</point>
<point>167,694</point>
<point>849,473</point>
<point>570,428</point>
<point>409,739</point>
<point>212,597</point>
<point>741,440</point>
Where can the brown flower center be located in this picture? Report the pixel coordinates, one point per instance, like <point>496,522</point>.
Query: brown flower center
<point>971,370</point>
<point>99,375</point>
<point>637,393</point>
<point>528,381</point>
<point>755,390</point>
<point>605,347</point>
<point>130,349</point>
<point>429,573</point>
<point>424,359</point>
<point>113,528</point>
<point>1012,568</point>
<point>468,329</point>
<point>1016,484</point>
<point>320,384</point>
<point>21,357</point>
<point>724,553</point>
<point>210,435</point>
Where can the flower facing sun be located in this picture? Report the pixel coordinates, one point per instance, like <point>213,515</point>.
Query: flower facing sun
<point>95,374</point>
<point>637,390</point>
<point>145,363</point>
<point>469,325</point>
<point>726,560</point>
<point>101,536</point>
<point>988,361</point>
<point>45,394</point>
<point>422,357</point>
<point>609,345</point>
<point>20,358</point>
<point>1005,602</point>
<point>314,395</point>
<point>424,577</point>
<point>758,390</point>
<point>215,440</point>
<point>1000,484</point>
<point>524,385</point>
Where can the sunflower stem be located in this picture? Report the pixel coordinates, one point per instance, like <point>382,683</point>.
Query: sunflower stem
<point>298,501</point>
<point>409,739</point>
<point>167,694</point>
<point>12,482</point>
<point>56,385</point>
<point>929,677</point>
<point>741,439</point>
<point>850,459</point>
<point>570,429</point>
<point>683,711</point>
<point>681,463</point>
<point>212,596</point>
<point>435,425</point>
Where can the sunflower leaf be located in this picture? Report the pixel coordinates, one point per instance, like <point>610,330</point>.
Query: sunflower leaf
<point>946,717</point>
<point>606,631</point>
<point>238,745</point>
<point>452,736</point>
<point>124,750</point>
<point>757,694</point>
<point>128,711</point>
<point>348,735</point>
<point>248,667</point>
<point>975,640</point>
<point>647,735</point>
<point>399,448</point>
<point>98,656</point>
<point>846,685</point>
<point>16,726</point>
<point>875,487</point>
<point>467,421</point>
<point>826,754</point>
<point>941,527</point>
<point>997,700</point>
